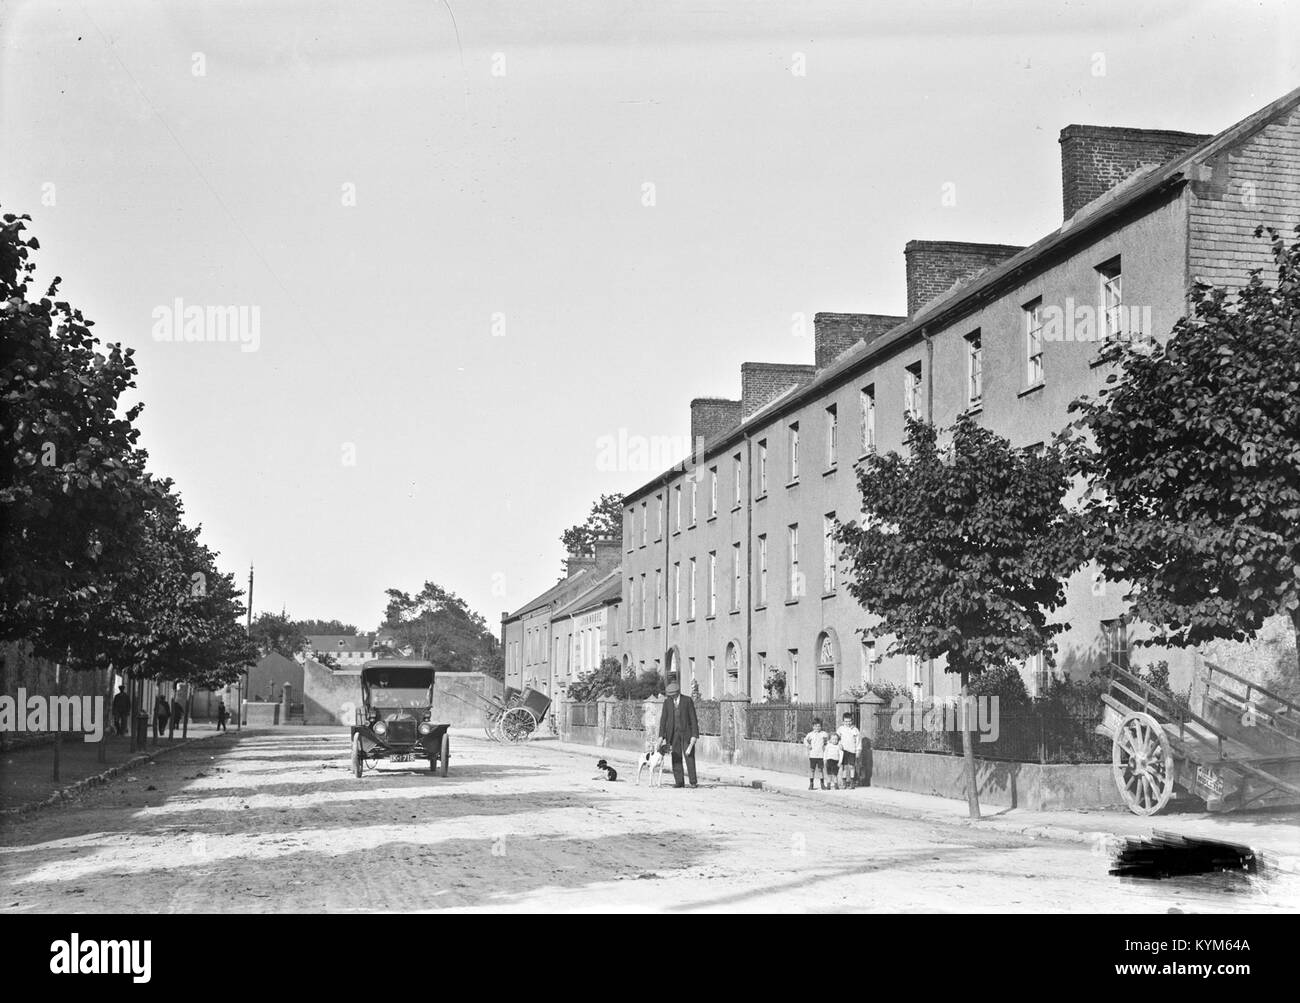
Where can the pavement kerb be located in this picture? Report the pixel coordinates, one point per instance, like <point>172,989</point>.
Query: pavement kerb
<point>1102,837</point>
<point>72,791</point>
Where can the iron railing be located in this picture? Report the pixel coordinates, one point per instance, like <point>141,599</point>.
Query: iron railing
<point>1022,735</point>
<point>787,722</point>
<point>627,715</point>
<point>709,715</point>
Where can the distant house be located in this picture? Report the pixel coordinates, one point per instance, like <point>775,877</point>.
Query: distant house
<point>349,650</point>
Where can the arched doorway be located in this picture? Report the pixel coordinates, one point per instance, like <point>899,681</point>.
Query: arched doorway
<point>731,669</point>
<point>827,663</point>
<point>627,665</point>
<point>673,666</point>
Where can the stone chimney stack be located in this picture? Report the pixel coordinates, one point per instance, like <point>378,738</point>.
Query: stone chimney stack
<point>1096,158</point>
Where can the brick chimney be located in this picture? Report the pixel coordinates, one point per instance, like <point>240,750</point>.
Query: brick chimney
<point>762,382</point>
<point>935,266</point>
<point>607,554</point>
<point>710,417</point>
<point>575,563</point>
<point>835,333</point>
<point>1096,158</point>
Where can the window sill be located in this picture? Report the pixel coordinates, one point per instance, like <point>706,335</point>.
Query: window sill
<point>712,518</point>
<point>677,532</point>
<point>976,408</point>
<point>829,595</point>
<point>757,609</point>
<point>762,497</point>
<point>792,484</point>
<point>734,612</point>
<point>792,602</point>
<point>829,470</point>
<point>711,616</point>
<point>674,623</point>
<point>1096,361</point>
<point>869,453</point>
<point>735,509</point>
<point>1032,389</point>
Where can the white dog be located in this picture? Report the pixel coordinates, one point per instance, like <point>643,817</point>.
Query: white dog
<point>654,759</point>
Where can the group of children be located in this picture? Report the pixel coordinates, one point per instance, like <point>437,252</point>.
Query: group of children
<point>828,753</point>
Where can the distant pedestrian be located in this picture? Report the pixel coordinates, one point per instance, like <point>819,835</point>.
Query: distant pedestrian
<point>679,727</point>
<point>832,760</point>
<point>160,714</point>
<point>222,715</point>
<point>851,744</point>
<point>815,741</point>
<point>178,712</point>
<point>121,710</point>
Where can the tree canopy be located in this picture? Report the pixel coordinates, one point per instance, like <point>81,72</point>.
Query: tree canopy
<point>961,552</point>
<point>604,520</point>
<point>439,626</point>
<point>97,567</point>
<point>1194,465</point>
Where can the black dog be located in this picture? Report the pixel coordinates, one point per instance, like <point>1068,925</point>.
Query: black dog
<point>609,771</point>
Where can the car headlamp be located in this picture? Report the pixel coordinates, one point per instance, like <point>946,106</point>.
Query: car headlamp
<point>381,727</point>
<point>425,728</point>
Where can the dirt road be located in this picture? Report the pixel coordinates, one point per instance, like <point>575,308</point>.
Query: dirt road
<point>275,821</point>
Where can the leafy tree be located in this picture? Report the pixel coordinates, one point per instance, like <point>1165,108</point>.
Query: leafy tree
<point>438,626</point>
<point>604,520</point>
<point>75,489</point>
<point>962,552</point>
<point>1194,473</point>
<point>325,627</point>
<point>278,632</point>
<point>598,682</point>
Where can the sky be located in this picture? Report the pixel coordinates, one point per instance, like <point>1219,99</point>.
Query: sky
<point>483,240</point>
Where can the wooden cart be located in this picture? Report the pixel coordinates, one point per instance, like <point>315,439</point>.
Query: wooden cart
<point>513,717</point>
<point>1241,750</point>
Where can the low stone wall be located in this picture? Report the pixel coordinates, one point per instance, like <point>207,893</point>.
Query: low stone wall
<point>1014,785</point>
<point>1051,787</point>
<point>784,757</point>
<point>628,741</point>
<point>331,696</point>
<point>583,736</point>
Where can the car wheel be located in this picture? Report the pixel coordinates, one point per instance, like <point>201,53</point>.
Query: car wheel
<point>446,754</point>
<point>356,756</point>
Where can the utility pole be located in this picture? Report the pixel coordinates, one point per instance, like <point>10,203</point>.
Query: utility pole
<point>239,710</point>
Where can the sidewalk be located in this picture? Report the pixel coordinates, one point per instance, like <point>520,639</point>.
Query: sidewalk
<point>1274,834</point>
<point>27,774</point>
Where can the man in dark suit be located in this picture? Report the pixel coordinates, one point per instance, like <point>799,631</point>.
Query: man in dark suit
<point>679,727</point>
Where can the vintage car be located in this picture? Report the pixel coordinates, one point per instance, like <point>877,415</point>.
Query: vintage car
<point>394,720</point>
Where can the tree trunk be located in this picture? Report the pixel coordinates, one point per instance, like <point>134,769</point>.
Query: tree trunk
<point>58,732</point>
<point>101,754</point>
<point>968,749</point>
<point>189,705</point>
<point>1295,623</point>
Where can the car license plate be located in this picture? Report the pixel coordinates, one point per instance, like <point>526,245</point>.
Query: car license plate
<point>402,757</point>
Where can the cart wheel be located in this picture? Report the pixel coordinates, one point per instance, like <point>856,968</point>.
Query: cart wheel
<point>1142,764</point>
<point>445,758</point>
<point>490,728</point>
<point>356,756</point>
<point>518,724</point>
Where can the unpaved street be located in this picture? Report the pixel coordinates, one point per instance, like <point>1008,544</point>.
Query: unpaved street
<point>275,821</point>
